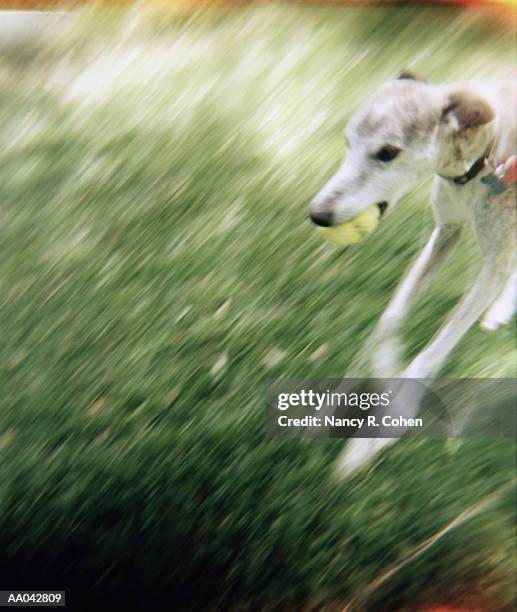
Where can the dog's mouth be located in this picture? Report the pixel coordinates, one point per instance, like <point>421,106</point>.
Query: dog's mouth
<point>383,207</point>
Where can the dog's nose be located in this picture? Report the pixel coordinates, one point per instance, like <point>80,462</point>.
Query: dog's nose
<point>323,219</point>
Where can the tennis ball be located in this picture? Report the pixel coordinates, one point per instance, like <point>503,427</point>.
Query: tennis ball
<point>355,230</point>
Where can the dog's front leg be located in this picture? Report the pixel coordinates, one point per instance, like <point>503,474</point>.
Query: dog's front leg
<point>386,346</point>
<point>490,282</point>
<point>487,287</point>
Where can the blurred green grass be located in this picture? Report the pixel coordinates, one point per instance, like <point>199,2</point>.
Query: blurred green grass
<point>157,270</point>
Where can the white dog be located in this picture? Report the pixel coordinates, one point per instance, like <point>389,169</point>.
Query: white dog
<point>406,132</point>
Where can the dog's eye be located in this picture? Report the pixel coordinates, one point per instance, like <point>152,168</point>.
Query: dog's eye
<point>387,153</point>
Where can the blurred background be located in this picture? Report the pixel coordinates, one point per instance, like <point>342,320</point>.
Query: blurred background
<point>157,269</point>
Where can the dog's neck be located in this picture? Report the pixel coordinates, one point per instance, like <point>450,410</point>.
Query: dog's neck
<point>476,168</point>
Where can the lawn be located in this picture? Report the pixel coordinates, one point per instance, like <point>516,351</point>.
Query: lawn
<point>158,270</point>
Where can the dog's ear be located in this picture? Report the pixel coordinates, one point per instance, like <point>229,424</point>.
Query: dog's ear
<point>465,110</point>
<point>409,76</point>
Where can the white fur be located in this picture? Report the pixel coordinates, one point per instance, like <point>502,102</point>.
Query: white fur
<point>413,116</point>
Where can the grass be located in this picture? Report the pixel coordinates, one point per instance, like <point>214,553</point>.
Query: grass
<point>157,271</point>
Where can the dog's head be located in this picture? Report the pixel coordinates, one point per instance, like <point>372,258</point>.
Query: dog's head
<point>403,133</point>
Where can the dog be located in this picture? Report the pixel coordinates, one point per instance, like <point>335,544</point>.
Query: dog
<point>406,132</point>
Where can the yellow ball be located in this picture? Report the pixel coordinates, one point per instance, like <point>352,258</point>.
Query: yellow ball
<point>355,230</point>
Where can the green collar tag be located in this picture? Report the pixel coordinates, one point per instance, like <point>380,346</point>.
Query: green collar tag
<point>495,185</point>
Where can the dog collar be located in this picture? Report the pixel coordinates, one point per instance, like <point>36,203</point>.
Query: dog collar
<point>471,173</point>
